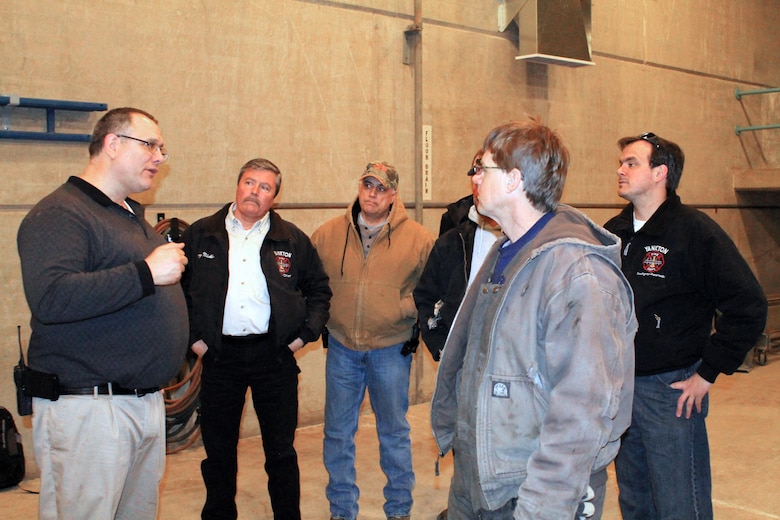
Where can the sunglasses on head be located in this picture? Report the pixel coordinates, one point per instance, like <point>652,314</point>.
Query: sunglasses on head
<point>651,138</point>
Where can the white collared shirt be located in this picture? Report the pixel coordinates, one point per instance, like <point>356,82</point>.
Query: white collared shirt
<point>248,303</point>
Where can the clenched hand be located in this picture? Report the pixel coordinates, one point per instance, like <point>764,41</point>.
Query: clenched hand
<point>167,263</point>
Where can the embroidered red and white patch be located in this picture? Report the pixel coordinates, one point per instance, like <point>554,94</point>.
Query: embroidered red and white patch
<point>283,264</point>
<point>653,261</point>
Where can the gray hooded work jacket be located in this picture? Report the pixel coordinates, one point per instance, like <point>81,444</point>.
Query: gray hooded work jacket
<point>537,374</point>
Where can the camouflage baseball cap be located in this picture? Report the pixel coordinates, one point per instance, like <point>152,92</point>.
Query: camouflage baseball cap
<point>382,172</point>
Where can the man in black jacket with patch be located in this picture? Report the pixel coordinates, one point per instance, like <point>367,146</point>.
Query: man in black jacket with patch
<point>684,271</point>
<point>256,293</point>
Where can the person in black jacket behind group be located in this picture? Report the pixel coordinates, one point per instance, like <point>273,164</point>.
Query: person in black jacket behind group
<point>256,293</point>
<point>465,237</point>
<point>683,269</point>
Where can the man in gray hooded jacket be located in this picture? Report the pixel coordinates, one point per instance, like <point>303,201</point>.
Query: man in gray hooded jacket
<point>535,383</point>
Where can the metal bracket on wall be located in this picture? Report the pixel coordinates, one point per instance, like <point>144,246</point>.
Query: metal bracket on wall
<point>410,35</point>
<point>9,102</point>
<point>738,94</point>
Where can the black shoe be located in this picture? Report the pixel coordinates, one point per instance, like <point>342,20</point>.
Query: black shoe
<point>442,515</point>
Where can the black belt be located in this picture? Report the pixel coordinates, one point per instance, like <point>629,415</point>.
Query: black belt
<point>109,389</point>
<point>251,339</point>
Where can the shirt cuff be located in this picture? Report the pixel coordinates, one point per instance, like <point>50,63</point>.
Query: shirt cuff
<point>145,275</point>
<point>708,372</point>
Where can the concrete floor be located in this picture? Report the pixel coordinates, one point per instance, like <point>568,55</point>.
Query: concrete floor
<point>744,427</point>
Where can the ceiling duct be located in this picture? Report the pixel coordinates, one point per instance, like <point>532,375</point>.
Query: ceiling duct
<point>553,32</point>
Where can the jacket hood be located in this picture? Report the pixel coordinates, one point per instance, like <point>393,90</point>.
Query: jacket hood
<point>458,211</point>
<point>571,226</point>
<point>394,219</point>
<point>397,213</point>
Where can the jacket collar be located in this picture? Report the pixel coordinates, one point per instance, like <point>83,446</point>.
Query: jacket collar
<point>215,225</point>
<point>396,216</point>
<point>571,226</point>
<point>659,221</point>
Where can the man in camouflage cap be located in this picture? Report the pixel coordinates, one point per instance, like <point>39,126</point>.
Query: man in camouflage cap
<point>374,256</point>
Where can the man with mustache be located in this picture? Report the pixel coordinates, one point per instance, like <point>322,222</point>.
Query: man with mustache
<point>256,293</point>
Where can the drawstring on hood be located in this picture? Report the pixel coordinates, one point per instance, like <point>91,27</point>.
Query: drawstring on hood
<point>355,214</point>
<point>372,305</point>
<point>344,252</point>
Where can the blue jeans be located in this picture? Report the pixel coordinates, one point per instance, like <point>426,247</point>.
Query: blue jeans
<point>385,372</point>
<point>663,466</point>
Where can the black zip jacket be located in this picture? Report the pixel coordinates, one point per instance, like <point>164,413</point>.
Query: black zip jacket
<point>444,278</point>
<point>455,213</point>
<point>684,270</point>
<point>297,283</point>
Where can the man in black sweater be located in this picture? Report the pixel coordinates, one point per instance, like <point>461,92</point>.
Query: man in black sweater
<point>109,321</point>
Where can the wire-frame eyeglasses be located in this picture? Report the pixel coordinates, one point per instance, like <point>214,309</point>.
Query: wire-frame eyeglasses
<point>152,147</point>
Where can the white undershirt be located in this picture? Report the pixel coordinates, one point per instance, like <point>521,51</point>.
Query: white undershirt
<point>484,238</point>
<point>638,224</point>
<point>247,304</point>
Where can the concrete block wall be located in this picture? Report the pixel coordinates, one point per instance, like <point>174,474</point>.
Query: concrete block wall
<point>320,88</point>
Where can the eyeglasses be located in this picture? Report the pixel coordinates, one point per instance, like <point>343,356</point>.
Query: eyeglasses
<point>652,139</point>
<point>380,188</point>
<point>480,168</point>
<point>152,147</point>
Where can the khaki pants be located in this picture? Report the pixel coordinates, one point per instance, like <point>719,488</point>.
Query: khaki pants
<point>101,457</point>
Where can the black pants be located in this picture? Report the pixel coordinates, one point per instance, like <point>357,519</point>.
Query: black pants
<point>274,384</point>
